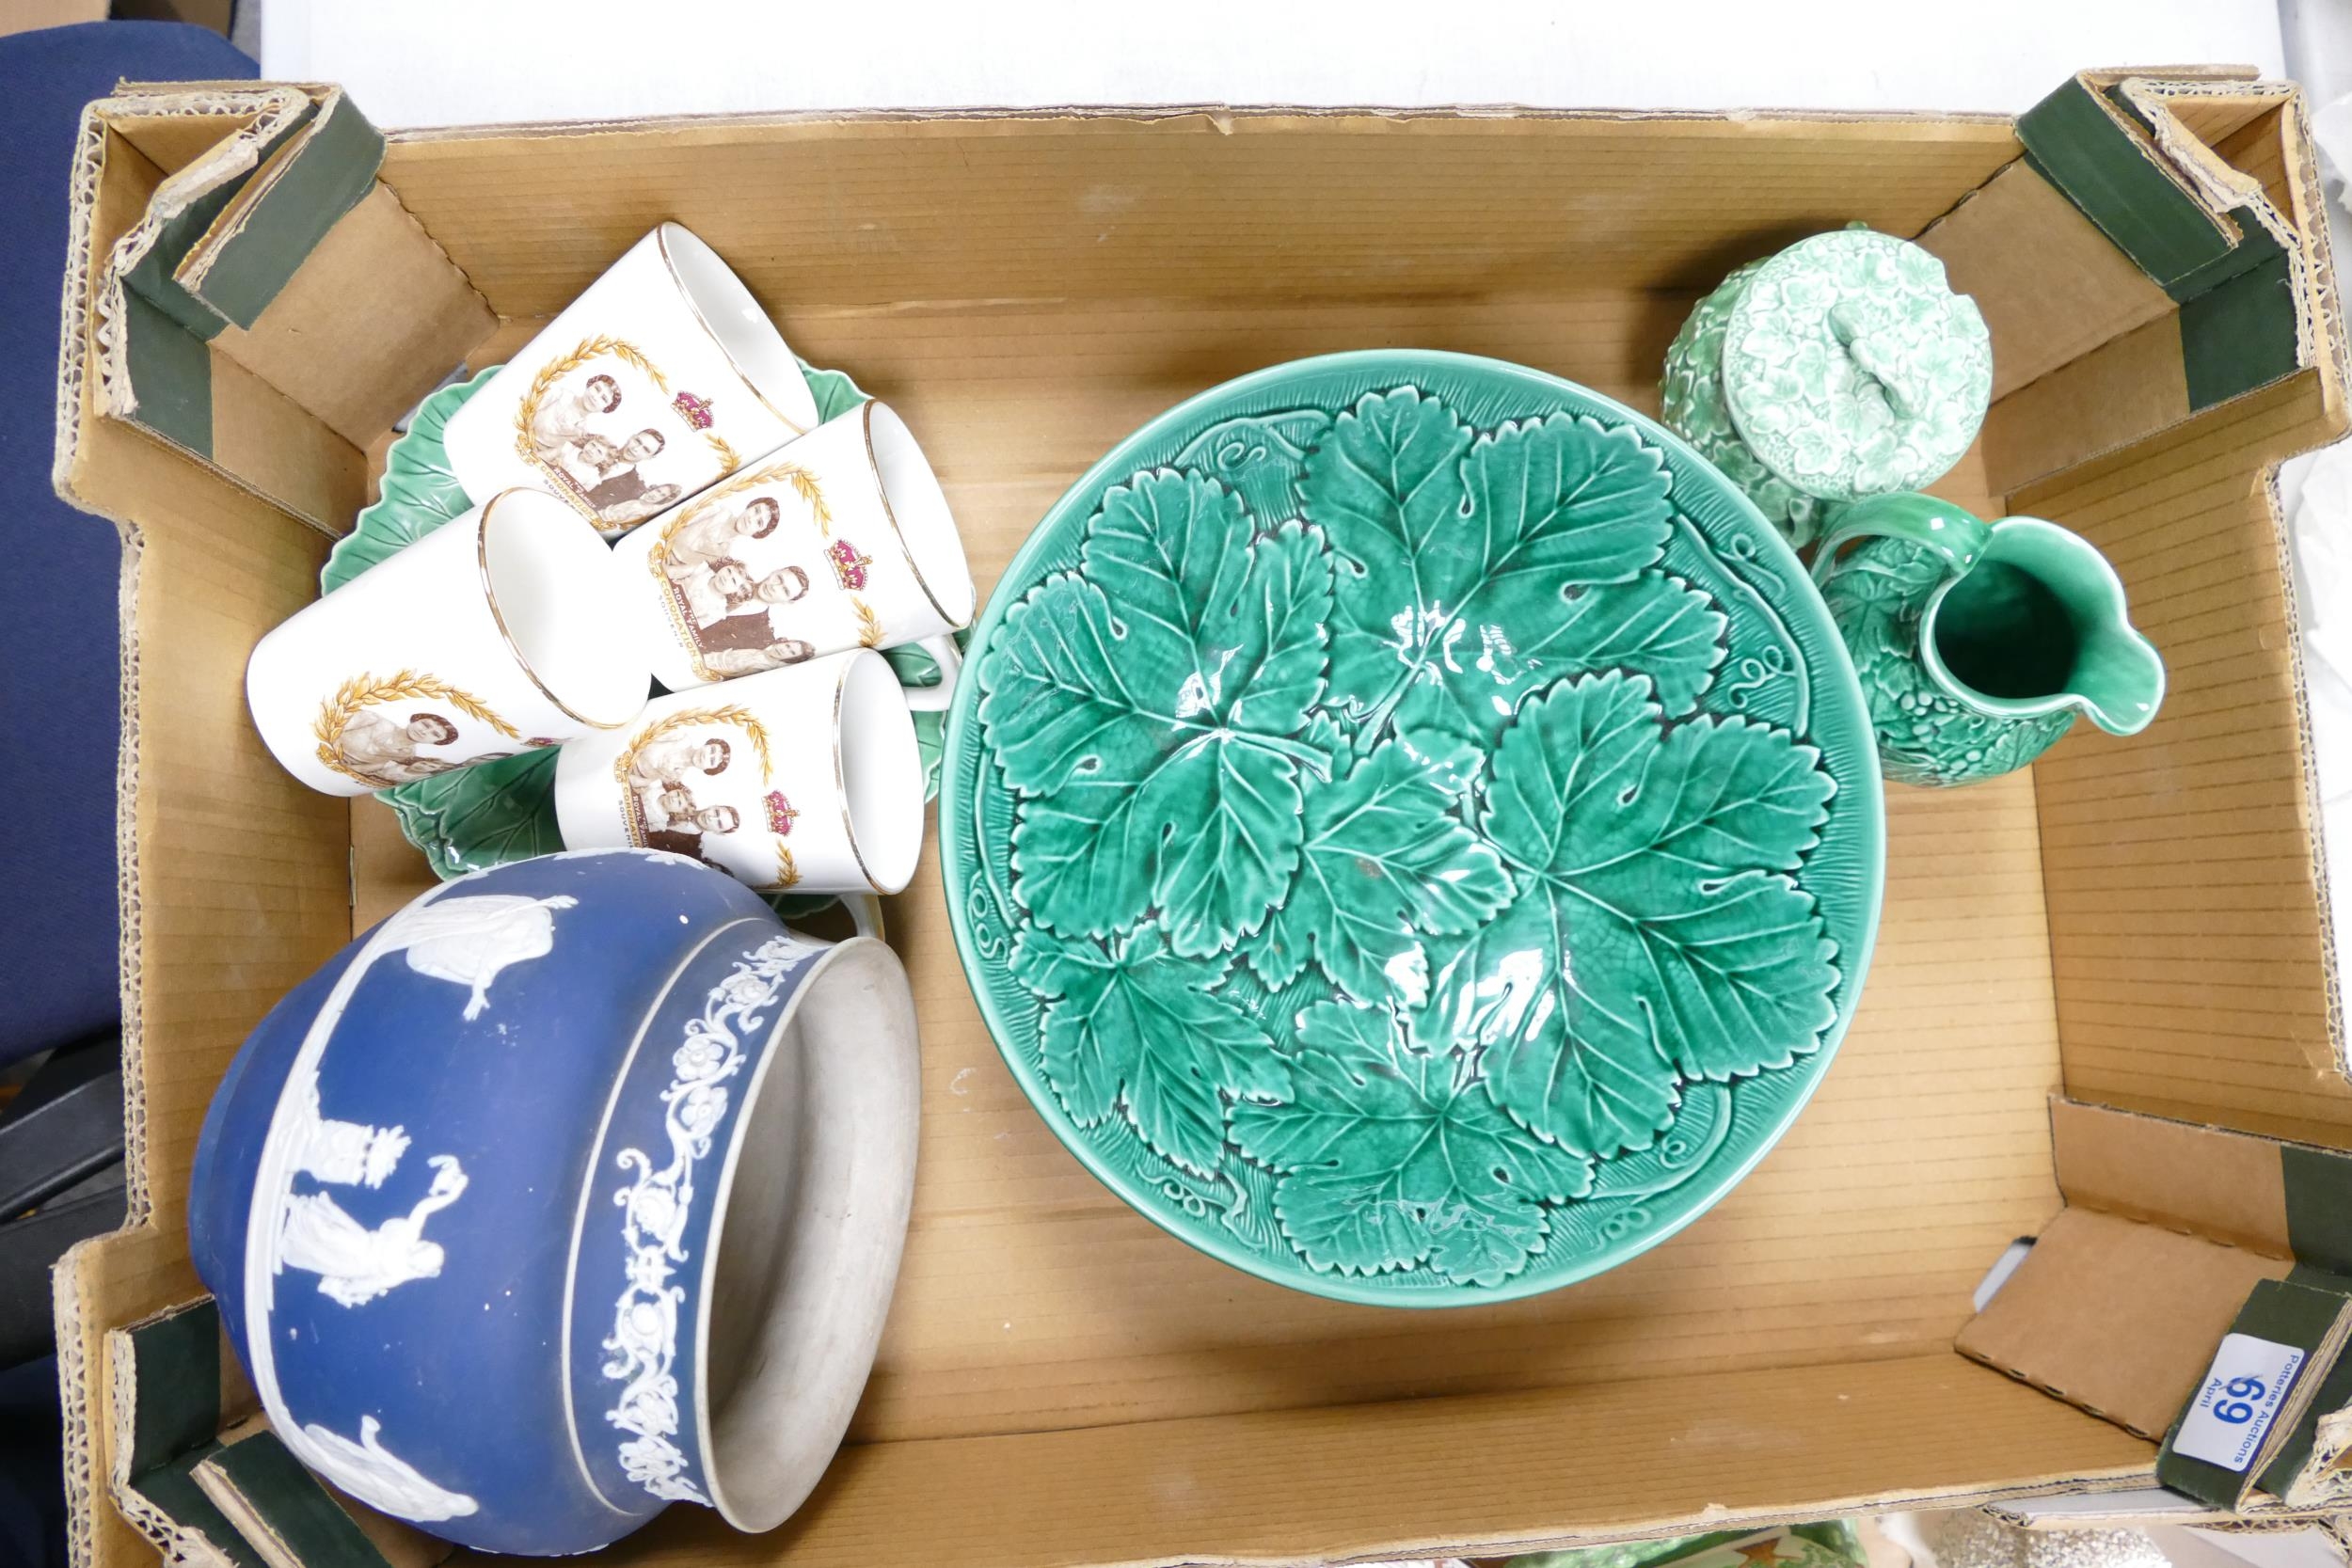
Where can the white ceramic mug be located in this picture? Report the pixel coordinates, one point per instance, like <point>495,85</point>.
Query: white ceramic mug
<point>806,779</point>
<point>662,379</point>
<point>489,636</point>
<point>841,539</point>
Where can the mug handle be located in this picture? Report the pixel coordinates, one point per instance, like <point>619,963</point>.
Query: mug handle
<point>944,652</point>
<point>865,913</point>
<point>1958,535</point>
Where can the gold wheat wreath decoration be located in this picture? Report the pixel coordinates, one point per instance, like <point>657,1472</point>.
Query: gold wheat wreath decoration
<point>364,691</point>
<point>603,347</point>
<point>736,715</point>
<point>869,632</point>
<point>799,480</point>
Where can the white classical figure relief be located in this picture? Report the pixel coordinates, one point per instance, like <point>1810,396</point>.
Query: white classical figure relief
<point>355,1264</point>
<point>469,940</point>
<point>378,1478</point>
<point>347,1153</point>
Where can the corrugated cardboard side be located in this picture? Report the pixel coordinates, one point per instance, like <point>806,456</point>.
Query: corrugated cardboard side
<point>910,215</point>
<point>1027,289</point>
<point>2081,403</point>
<point>2195,973</point>
<point>234,885</point>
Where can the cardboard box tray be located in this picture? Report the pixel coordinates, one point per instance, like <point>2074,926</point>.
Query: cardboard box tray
<point>2132,925</point>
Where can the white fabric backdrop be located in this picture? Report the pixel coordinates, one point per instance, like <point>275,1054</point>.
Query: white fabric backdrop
<point>438,62</point>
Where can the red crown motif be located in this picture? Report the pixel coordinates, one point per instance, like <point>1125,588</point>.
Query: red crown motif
<point>780,813</point>
<point>694,410</point>
<point>848,564</point>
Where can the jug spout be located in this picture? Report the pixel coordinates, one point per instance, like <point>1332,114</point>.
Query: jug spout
<point>2122,684</point>
<point>2040,625</point>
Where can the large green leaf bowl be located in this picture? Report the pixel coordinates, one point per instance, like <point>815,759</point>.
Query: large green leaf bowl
<point>1411,828</point>
<point>477,817</point>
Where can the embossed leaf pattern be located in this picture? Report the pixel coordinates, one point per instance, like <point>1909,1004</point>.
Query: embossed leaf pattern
<point>1657,624</point>
<point>1383,860</point>
<point>1133,1030</point>
<point>476,817</point>
<point>1157,739</point>
<point>1473,854</point>
<point>1522,556</point>
<point>1390,1161</point>
<point>1263,457</point>
<point>1059,700</point>
<point>418,493</point>
<point>1654,929</point>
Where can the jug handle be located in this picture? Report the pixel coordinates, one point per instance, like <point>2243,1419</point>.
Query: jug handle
<point>1956,534</point>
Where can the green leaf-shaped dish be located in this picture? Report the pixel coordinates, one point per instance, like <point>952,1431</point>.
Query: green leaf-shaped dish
<point>1412,829</point>
<point>505,811</point>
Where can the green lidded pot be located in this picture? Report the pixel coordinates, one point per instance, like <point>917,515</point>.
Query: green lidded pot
<point>1842,366</point>
<point>1979,643</point>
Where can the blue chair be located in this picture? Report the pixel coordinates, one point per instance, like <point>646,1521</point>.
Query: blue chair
<point>60,695</point>
<point>59,712</point>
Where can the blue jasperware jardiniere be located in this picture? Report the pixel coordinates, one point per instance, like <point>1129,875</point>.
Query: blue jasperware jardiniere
<point>576,1187</point>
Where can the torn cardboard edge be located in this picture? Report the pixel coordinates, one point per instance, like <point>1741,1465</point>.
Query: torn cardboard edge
<point>182,209</point>
<point>2253,321</point>
<point>225,323</point>
<point>165,1406</point>
<point>94,292</point>
<point>2164,280</point>
<point>258,241</point>
<point>291,1519</point>
<point>2177,1240</point>
<point>1219,117</point>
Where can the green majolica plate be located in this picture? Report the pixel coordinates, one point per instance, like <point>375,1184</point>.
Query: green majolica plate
<point>1411,828</point>
<point>505,811</point>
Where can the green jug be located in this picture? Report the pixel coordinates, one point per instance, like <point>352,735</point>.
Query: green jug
<point>1978,643</point>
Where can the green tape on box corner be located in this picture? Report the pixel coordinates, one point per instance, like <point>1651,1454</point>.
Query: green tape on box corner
<point>171,376</point>
<point>2334,1393</point>
<point>2285,1312</point>
<point>176,1387</point>
<point>2318,1189</point>
<point>327,176</point>
<point>2110,174</point>
<point>2106,171</point>
<point>2240,335</point>
<point>151,278</point>
<point>290,1503</point>
<point>2318,1183</point>
<point>172,1489</point>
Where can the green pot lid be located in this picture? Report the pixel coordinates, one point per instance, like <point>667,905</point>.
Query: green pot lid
<point>1851,369</point>
<point>1411,829</point>
<point>472,818</point>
